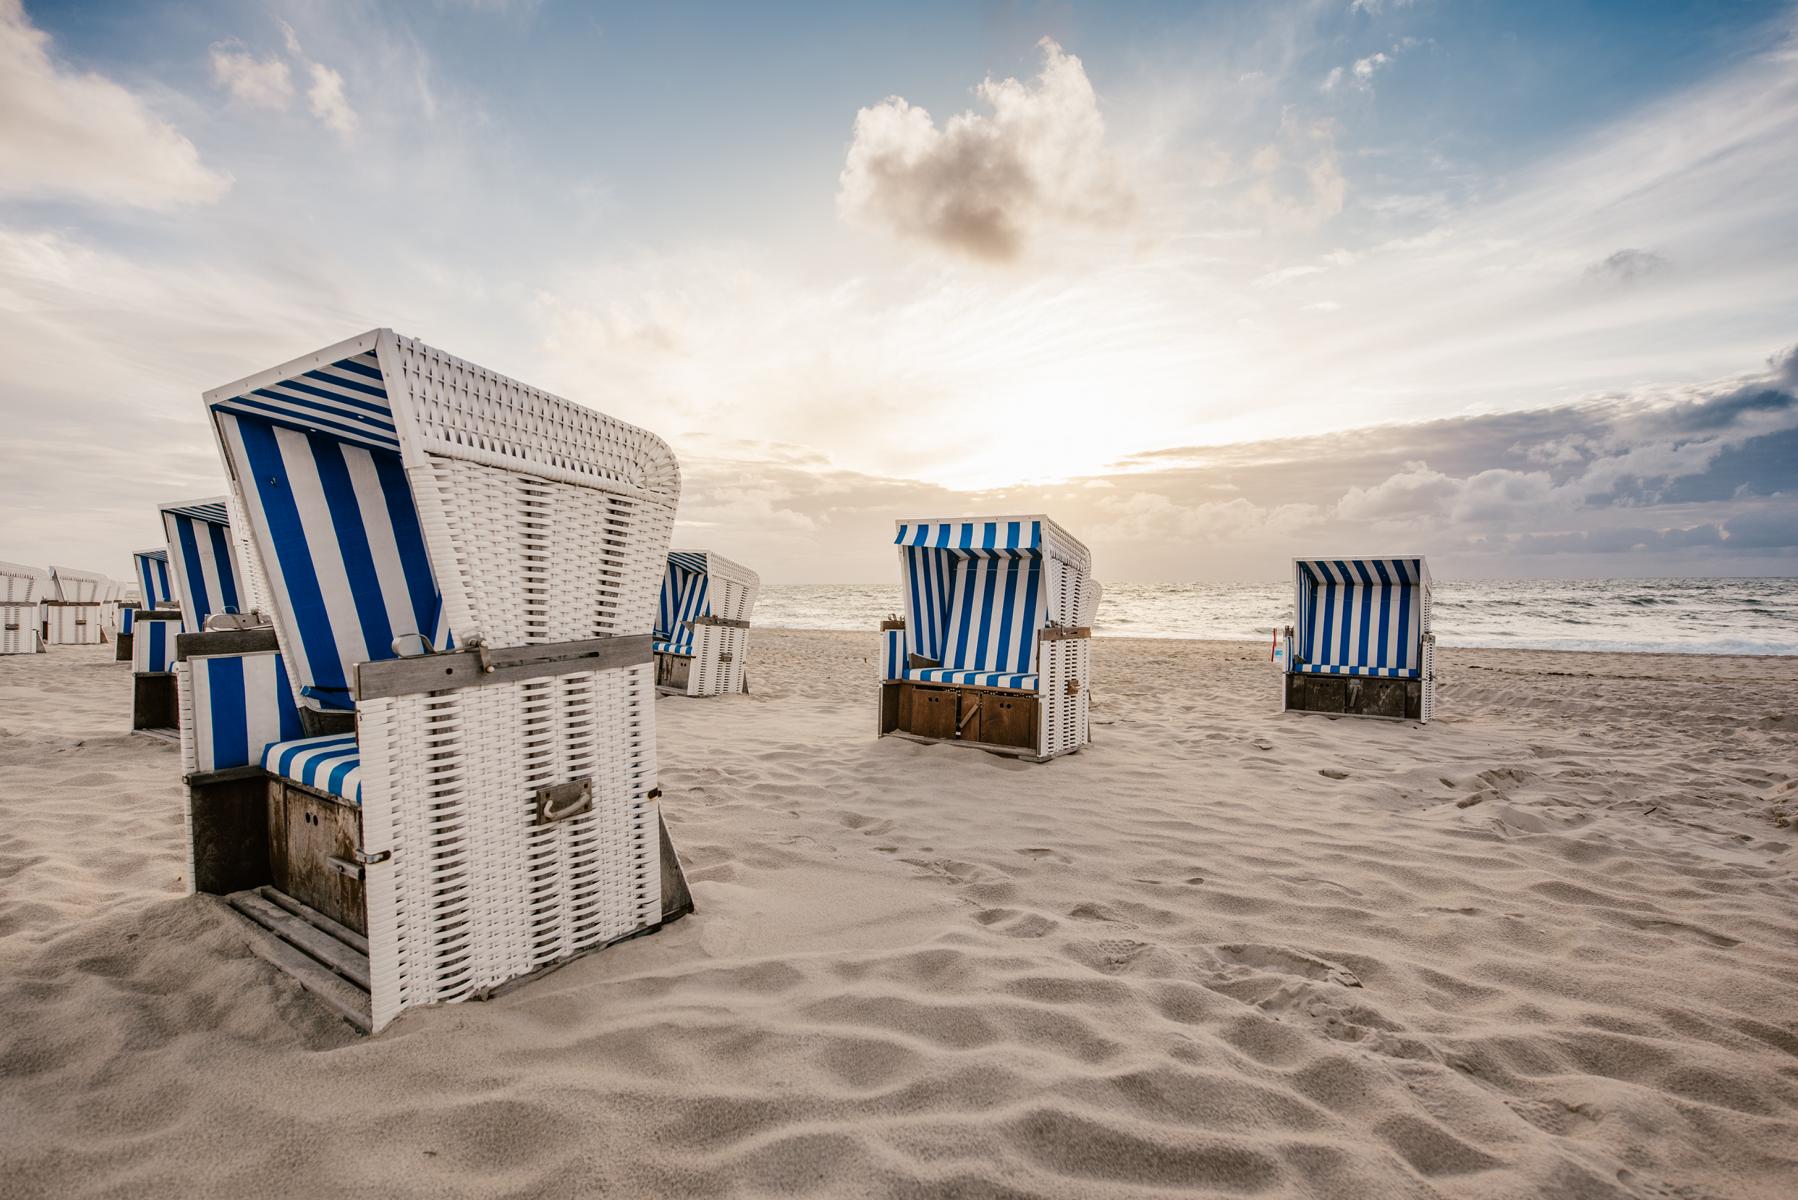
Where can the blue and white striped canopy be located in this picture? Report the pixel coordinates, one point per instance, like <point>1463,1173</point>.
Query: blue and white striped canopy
<point>204,559</point>
<point>974,595</point>
<point>347,400</point>
<point>153,578</point>
<point>1360,616</point>
<point>1363,570</point>
<point>685,597</point>
<point>338,532</point>
<point>974,538</point>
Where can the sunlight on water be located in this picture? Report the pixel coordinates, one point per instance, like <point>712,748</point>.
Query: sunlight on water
<point>1697,616</point>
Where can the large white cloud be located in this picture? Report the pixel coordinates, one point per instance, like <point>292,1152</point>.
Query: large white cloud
<point>982,185</point>
<point>80,136</point>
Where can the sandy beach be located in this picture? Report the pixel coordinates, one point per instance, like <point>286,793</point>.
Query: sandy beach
<point>1544,946</point>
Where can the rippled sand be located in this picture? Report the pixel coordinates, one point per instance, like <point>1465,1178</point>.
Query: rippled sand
<point>1547,945</point>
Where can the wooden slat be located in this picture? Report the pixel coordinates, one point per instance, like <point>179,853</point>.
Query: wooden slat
<point>332,991</point>
<point>301,934</point>
<point>1063,633</point>
<point>224,641</point>
<point>463,668</point>
<point>312,916</point>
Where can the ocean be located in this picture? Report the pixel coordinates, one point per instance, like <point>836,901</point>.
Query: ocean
<point>1691,616</point>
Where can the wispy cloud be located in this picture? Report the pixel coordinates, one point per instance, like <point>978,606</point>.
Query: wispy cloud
<point>259,82</point>
<point>69,135</point>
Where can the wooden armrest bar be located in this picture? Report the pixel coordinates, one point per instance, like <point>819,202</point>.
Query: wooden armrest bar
<point>465,668</point>
<point>1062,633</point>
<point>228,642</point>
<point>726,622</point>
<point>886,625</point>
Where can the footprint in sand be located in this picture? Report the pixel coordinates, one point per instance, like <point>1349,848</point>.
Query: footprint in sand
<point>1332,773</point>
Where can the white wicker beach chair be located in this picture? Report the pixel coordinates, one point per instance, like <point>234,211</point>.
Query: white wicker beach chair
<point>995,647</point>
<point>201,566</point>
<point>22,593</point>
<point>1361,643</point>
<point>73,612</point>
<point>702,624</point>
<point>436,773</point>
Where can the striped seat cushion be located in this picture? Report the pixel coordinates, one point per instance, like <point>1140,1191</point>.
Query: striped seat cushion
<point>661,647</point>
<point>972,678</point>
<point>329,764</point>
<point>1359,671</point>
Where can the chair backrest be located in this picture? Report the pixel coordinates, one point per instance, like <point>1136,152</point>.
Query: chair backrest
<point>153,578</point>
<point>207,577</point>
<point>392,490</point>
<point>21,584</point>
<point>995,608</point>
<point>336,527</point>
<point>1367,613</point>
<point>685,596</point>
<point>979,590</point>
<point>77,587</point>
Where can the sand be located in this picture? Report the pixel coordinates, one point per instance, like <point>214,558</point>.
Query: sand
<point>1547,945</point>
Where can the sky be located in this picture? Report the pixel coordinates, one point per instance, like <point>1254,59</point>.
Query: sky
<point>1514,285</point>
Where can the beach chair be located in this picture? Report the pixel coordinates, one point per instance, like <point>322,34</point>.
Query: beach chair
<point>435,773</point>
<point>203,570</point>
<point>994,649</point>
<point>73,613</point>
<point>702,624</point>
<point>22,593</point>
<point>156,588</point>
<point>1360,644</point>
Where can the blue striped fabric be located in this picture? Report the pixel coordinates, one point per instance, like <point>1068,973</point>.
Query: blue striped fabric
<point>127,620</point>
<point>1026,682</point>
<point>153,577</point>
<point>994,612</point>
<point>330,764</point>
<point>683,599</point>
<point>347,400</point>
<point>927,577</point>
<point>892,654</point>
<point>1360,616</point>
<point>241,704</point>
<point>153,646</point>
<point>973,596</point>
<point>204,563</point>
<point>983,538</point>
<point>339,533</point>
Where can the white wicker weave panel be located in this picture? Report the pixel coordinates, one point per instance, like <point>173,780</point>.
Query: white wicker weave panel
<point>476,893</point>
<point>19,628</point>
<point>190,758</point>
<point>254,582</point>
<point>521,560</point>
<point>466,411</point>
<point>74,624</point>
<point>1064,716</point>
<point>718,654</point>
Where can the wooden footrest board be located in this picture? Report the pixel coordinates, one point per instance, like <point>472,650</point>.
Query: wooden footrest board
<point>311,948</point>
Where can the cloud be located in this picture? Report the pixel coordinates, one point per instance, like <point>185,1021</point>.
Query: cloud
<point>983,186</point>
<point>328,102</point>
<point>1627,267</point>
<point>80,136</point>
<point>259,82</point>
<point>269,82</point>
